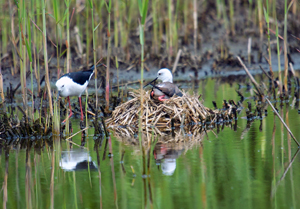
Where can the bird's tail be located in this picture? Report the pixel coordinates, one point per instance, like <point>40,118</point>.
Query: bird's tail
<point>92,69</point>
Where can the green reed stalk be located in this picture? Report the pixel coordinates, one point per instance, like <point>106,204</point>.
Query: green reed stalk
<point>75,190</point>
<point>22,33</point>
<point>278,58</point>
<point>108,7</point>
<point>4,24</point>
<point>91,5</point>
<point>56,118</point>
<point>29,50</point>
<point>195,18</point>
<point>155,27</point>
<point>1,84</point>
<point>102,18</point>
<point>220,8</point>
<point>117,66</point>
<point>116,24</point>
<point>56,14</point>
<point>86,107</point>
<point>161,11</point>
<point>231,14</point>
<point>46,58</point>
<point>176,25</point>
<point>12,29</point>
<point>122,25</point>
<point>67,2</point>
<point>170,25</point>
<point>186,19</point>
<point>250,12</point>
<point>285,48</point>
<point>260,22</point>
<point>266,13</point>
<point>143,8</point>
<point>87,31</point>
<point>225,18</point>
<point>129,11</point>
<point>37,43</point>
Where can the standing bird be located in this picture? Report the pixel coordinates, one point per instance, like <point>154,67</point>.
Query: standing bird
<point>166,89</point>
<point>74,84</point>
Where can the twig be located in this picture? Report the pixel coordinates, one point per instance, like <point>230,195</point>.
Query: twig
<point>176,61</point>
<point>250,76</point>
<point>287,128</point>
<point>67,139</point>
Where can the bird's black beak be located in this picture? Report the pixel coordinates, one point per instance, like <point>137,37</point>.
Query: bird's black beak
<point>150,82</point>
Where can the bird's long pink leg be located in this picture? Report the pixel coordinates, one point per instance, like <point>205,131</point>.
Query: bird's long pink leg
<point>71,113</point>
<point>81,108</point>
<point>161,98</point>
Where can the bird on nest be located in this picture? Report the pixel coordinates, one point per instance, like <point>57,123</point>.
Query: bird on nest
<point>167,88</point>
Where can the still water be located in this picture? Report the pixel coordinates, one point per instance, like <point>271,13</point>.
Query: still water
<point>254,166</point>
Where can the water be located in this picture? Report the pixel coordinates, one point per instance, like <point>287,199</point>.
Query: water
<point>219,169</point>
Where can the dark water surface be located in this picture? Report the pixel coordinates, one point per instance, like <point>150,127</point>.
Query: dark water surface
<point>225,169</point>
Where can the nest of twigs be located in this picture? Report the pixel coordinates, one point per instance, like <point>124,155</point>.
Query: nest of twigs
<point>173,112</point>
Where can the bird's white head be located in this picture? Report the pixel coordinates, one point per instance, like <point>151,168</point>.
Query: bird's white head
<point>165,75</point>
<point>62,86</point>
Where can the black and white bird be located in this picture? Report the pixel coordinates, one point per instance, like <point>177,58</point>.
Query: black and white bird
<point>74,84</point>
<point>167,88</point>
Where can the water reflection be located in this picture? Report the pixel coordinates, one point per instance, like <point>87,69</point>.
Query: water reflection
<point>165,155</point>
<point>76,159</point>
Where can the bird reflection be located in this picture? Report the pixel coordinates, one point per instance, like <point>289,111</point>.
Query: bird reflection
<point>166,155</point>
<point>74,160</point>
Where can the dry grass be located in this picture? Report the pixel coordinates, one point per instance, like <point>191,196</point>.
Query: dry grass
<point>183,110</point>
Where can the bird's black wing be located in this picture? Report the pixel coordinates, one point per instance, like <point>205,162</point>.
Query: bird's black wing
<point>80,77</point>
<point>168,91</point>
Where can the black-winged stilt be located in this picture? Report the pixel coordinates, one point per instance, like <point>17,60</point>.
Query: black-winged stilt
<point>74,84</point>
<point>166,89</point>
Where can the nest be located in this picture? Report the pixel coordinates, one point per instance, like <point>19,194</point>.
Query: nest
<point>176,111</point>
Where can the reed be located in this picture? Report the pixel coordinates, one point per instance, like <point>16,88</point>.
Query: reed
<point>88,4</point>
<point>285,48</point>
<point>37,43</point>
<point>250,12</point>
<point>143,8</point>
<point>1,85</point>
<point>91,6</point>
<point>22,15</point>
<point>46,58</point>
<point>108,7</point>
<point>4,24</point>
<point>170,30</point>
<point>155,27</point>
<point>224,16</point>
<point>56,14</point>
<point>67,2</point>
<point>56,118</point>
<point>195,18</point>
<point>232,19</point>
<point>267,19</point>
<point>286,64</point>
<point>260,23</point>
<point>278,58</point>
<point>219,4</point>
